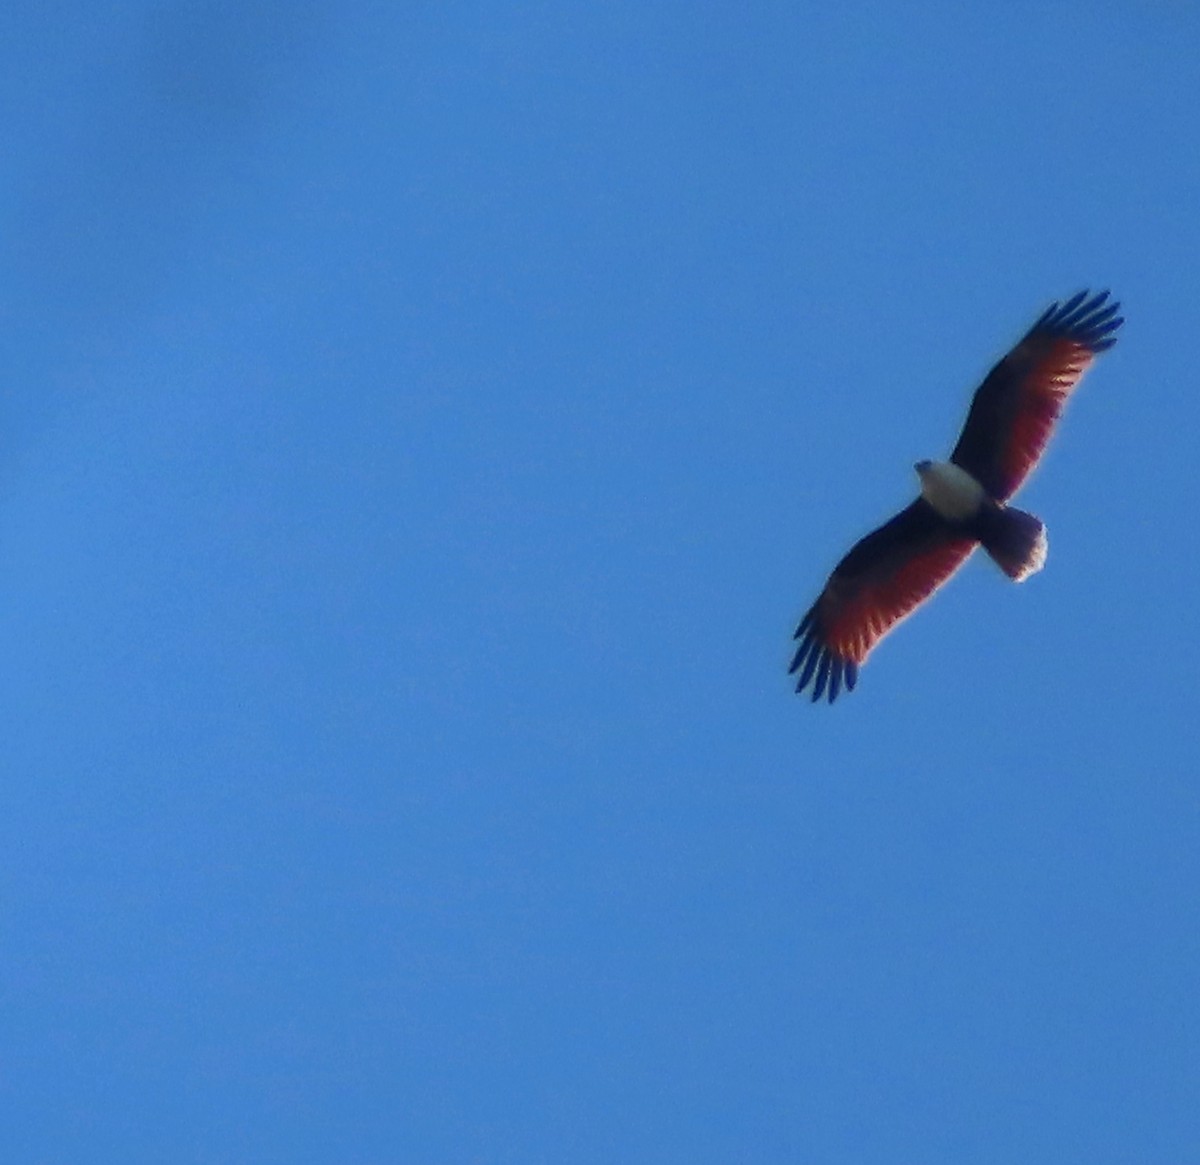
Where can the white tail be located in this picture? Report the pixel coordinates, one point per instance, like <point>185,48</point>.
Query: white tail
<point>1016,541</point>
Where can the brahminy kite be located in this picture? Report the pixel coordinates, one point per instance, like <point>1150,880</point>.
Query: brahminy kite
<point>963,501</point>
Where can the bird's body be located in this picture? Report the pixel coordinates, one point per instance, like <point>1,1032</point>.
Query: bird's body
<point>963,502</point>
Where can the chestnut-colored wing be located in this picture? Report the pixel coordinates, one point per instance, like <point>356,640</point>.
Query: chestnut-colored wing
<point>887,575</point>
<point>1015,408</point>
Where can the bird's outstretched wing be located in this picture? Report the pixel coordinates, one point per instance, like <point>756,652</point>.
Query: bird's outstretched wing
<point>881,581</point>
<point>1014,409</point>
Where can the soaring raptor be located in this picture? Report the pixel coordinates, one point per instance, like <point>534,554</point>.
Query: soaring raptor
<point>963,501</point>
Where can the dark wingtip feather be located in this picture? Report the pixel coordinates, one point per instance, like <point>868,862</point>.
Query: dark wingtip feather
<point>835,679</point>
<point>1046,316</point>
<point>1071,304</point>
<point>1108,340</point>
<point>805,647</point>
<point>815,663</point>
<point>1087,308</point>
<point>829,674</point>
<point>1102,317</point>
<point>822,676</point>
<point>1087,321</point>
<point>809,667</point>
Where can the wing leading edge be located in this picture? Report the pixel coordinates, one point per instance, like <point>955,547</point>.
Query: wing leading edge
<point>884,578</point>
<point>1014,410</point>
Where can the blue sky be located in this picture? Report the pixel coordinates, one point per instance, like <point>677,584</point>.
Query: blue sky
<point>423,427</point>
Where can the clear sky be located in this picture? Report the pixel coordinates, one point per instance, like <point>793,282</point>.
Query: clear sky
<point>423,425</point>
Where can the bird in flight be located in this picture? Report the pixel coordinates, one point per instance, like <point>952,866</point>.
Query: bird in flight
<point>963,501</point>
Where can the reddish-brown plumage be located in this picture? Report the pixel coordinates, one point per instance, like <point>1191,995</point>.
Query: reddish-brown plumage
<point>1014,410</point>
<point>1038,403</point>
<point>856,623</point>
<point>884,578</point>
